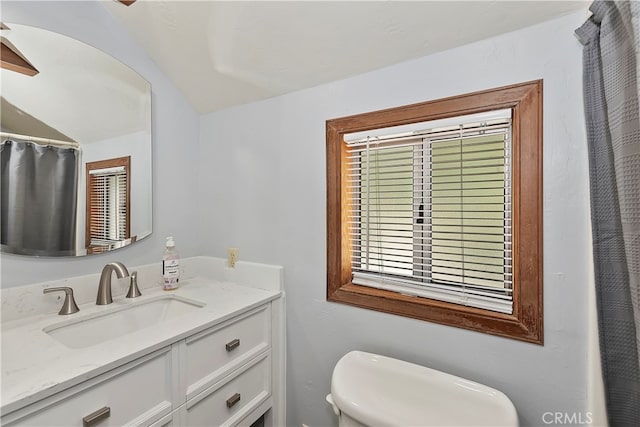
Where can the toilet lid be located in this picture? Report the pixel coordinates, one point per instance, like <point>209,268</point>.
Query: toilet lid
<point>380,391</point>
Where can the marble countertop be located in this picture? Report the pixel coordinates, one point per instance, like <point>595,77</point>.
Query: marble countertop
<point>35,365</point>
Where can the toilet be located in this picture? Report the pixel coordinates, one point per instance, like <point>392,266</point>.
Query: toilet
<point>372,390</point>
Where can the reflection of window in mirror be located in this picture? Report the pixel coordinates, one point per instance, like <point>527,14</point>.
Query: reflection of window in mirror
<point>108,203</point>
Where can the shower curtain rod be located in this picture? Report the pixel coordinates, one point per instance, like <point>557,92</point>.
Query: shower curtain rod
<point>40,141</point>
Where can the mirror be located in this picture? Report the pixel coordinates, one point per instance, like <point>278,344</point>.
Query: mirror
<point>76,126</point>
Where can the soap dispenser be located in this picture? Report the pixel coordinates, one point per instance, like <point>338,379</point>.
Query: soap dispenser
<point>170,266</point>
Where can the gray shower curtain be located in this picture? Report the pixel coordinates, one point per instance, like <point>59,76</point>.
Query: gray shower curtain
<point>38,198</point>
<point>611,40</point>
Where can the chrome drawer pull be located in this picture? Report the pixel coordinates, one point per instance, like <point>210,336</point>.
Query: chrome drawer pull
<point>233,400</point>
<point>94,417</point>
<point>233,344</point>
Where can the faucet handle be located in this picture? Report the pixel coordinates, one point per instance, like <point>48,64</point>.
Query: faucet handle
<point>134,291</point>
<point>69,306</point>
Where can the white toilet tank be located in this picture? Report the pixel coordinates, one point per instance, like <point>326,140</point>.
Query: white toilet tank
<point>372,390</point>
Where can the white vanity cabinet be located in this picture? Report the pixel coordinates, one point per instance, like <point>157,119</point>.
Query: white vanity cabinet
<point>219,376</point>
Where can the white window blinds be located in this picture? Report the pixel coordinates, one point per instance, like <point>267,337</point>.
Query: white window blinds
<point>430,212</point>
<point>108,205</point>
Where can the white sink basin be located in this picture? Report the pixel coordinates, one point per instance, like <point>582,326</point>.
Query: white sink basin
<point>100,327</point>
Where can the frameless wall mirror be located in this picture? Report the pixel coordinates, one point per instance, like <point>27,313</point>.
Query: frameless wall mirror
<point>75,148</point>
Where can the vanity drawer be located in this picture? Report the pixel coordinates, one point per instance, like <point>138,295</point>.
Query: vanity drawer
<point>229,402</point>
<point>216,352</point>
<point>136,394</point>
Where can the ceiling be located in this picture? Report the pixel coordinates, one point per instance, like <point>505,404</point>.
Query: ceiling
<point>221,54</point>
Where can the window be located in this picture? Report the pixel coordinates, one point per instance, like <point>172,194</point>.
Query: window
<point>108,211</point>
<point>434,211</point>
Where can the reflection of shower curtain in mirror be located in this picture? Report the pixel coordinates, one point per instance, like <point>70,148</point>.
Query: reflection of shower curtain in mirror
<point>38,197</point>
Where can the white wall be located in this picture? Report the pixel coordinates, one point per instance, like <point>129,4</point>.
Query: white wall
<point>174,153</point>
<point>262,185</point>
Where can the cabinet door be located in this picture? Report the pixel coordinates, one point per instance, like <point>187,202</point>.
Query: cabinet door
<point>213,354</point>
<point>136,394</point>
<point>230,401</point>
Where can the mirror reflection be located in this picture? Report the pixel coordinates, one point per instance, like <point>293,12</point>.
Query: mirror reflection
<point>75,148</point>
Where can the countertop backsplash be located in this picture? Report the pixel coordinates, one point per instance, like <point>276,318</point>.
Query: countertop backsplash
<point>27,301</point>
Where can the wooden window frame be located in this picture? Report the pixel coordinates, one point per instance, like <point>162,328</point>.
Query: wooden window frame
<point>106,164</point>
<point>526,321</point>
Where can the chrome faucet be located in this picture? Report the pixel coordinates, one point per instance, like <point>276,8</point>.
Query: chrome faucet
<point>104,288</point>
